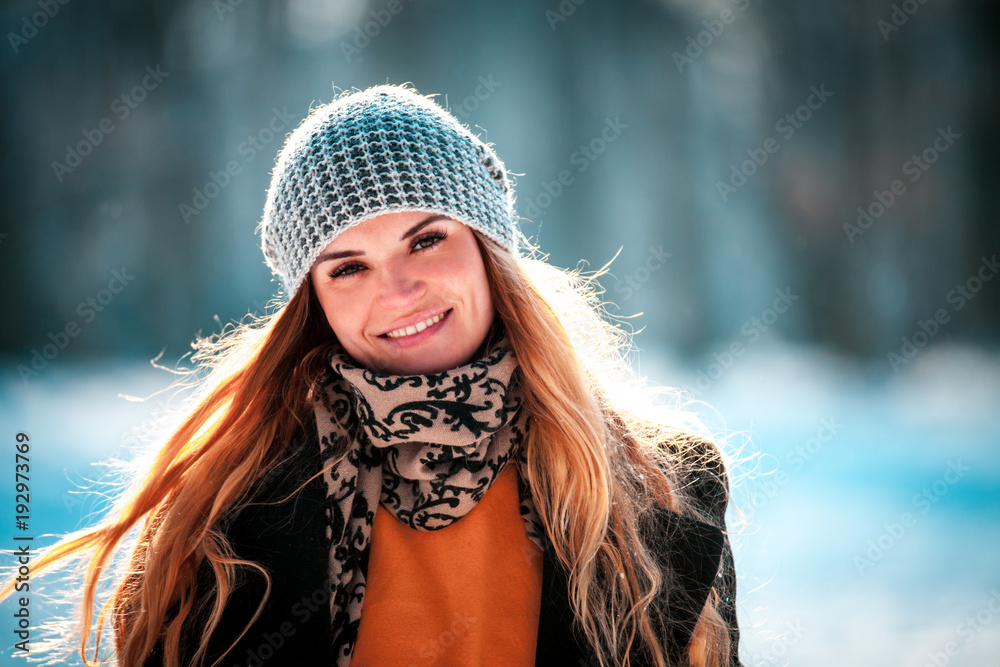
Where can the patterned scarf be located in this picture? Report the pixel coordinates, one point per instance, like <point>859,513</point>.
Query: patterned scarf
<point>424,447</point>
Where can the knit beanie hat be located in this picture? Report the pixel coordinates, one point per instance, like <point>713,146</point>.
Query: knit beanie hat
<point>382,150</point>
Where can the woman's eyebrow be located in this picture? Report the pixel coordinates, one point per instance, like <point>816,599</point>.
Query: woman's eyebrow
<point>420,225</point>
<point>326,257</point>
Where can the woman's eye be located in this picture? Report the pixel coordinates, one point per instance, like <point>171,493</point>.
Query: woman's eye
<point>424,242</point>
<point>345,270</point>
<point>428,240</point>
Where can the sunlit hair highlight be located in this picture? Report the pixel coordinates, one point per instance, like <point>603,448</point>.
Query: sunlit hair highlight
<point>252,402</point>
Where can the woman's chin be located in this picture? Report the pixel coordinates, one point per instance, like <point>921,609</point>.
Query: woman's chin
<point>422,359</point>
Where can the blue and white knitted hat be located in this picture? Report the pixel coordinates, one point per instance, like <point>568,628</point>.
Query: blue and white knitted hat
<point>386,149</point>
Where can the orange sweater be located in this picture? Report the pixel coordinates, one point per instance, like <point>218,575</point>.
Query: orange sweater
<point>468,594</point>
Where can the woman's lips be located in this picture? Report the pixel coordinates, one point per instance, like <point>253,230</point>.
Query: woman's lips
<point>419,336</point>
<point>418,327</point>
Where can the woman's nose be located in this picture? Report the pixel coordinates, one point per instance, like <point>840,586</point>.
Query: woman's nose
<point>398,288</point>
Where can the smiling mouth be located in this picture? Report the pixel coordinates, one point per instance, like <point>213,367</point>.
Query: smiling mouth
<point>416,328</point>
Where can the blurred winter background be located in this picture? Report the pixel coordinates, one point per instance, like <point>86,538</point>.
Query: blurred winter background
<point>804,196</point>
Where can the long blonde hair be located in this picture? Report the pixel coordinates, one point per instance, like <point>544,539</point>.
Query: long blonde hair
<point>594,468</point>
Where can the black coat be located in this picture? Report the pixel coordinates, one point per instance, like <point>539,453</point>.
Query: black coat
<point>289,540</point>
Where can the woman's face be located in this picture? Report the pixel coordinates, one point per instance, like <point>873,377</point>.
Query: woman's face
<point>406,293</point>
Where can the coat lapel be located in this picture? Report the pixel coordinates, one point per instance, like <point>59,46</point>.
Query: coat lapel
<point>694,553</point>
<point>285,534</point>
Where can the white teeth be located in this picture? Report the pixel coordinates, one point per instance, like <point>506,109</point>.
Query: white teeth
<point>419,326</point>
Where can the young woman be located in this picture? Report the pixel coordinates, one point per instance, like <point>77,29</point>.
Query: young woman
<point>432,454</point>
